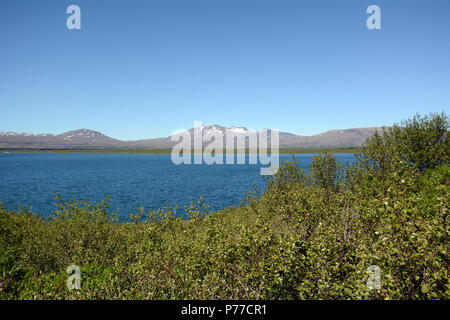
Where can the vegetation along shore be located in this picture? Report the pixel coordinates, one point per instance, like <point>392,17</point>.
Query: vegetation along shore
<point>308,235</point>
<point>168,151</point>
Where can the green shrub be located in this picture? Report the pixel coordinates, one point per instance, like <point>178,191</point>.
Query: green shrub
<point>422,142</point>
<point>325,171</point>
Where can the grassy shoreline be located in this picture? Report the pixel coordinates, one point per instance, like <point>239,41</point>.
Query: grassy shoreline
<point>168,151</point>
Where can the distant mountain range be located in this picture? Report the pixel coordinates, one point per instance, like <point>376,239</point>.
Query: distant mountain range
<point>90,139</point>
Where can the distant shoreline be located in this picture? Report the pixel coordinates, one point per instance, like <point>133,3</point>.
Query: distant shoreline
<point>168,151</point>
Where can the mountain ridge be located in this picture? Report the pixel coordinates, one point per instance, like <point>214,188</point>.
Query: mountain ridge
<point>91,139</point>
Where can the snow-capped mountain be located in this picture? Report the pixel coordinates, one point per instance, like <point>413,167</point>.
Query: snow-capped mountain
<point>209,130</point>
<point>85,135</point>
<point>82,138</point>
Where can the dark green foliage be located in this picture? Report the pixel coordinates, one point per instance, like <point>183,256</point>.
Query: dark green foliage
<point>307,236</point>
<point>422,142</point>
<point>325,171</point>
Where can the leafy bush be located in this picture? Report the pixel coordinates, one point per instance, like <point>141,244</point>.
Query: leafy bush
<point>325,171</point>
<point>422,142</point>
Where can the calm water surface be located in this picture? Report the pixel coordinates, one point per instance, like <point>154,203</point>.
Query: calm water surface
<point>131,180</point>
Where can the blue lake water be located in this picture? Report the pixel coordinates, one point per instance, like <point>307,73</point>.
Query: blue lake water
<point>131,180</point>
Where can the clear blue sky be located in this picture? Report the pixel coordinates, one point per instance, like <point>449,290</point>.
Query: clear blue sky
<point>140,69</point>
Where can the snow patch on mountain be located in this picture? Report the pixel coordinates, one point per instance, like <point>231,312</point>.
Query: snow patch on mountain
<point>24,134</point>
